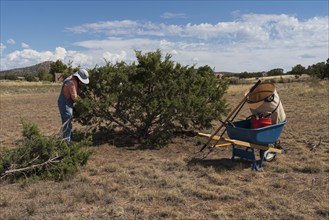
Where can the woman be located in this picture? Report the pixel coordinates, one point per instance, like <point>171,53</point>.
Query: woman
<point>70,92</point>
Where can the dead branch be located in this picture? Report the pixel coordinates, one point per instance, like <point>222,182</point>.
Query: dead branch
<point>48,162</point>
<point>34,160</point>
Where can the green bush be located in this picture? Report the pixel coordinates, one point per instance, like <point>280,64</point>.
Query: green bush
<point>152,99</point>
<point>42,157</point>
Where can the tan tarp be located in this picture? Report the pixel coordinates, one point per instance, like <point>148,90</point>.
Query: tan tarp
<point>257,105</point>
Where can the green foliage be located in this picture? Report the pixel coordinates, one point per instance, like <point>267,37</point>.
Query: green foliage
<point>319,70</point>
<point>42,157</point>
<point>298,70</point>
<point>250,75</point>
<point>57,67</point>
<point>152,99</point>
<point>8,77</point>
<point>70,70</point>
<point>60,67</point>
<point>30,78</point>
<point>275,72</point>
<point>44,75</point>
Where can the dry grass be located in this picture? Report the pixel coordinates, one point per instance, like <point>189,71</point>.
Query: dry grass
<point>125,183</point>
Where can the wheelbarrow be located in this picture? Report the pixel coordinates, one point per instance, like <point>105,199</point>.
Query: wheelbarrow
<point>242,136</point>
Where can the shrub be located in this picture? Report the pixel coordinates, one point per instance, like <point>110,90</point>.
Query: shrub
<point>42,157</point>
<point>319,70</point>
<point>152,99</point>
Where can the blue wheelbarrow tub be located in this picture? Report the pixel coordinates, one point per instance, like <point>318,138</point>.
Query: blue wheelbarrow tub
<point>265,135</point>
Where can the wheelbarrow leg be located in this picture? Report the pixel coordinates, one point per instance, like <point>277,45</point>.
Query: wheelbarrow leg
<point>249,154</point>
<point>259,167</point>
<point>245,154</point>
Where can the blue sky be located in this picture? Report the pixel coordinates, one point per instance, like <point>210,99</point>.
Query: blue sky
<point>233,36</point>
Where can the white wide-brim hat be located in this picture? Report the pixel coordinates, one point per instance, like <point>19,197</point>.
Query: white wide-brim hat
<point>82,75</point>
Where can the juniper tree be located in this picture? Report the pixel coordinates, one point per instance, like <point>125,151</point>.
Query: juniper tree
<point>152,98</point>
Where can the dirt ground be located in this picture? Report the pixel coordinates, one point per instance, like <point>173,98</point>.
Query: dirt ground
<point>125,183</point>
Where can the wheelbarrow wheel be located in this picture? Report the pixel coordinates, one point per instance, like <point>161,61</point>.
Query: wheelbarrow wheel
<point>269,156</point>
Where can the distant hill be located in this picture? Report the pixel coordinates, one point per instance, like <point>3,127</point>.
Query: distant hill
<point>30,70</point>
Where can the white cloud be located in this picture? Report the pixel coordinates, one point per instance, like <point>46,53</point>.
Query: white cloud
<point>24,45</point>
<point>28,57</point>
<point>104,26</point>
<point>169,15</point>
<point>263,28</point>
<point>173,52</point>
<point>251,42</point>
<point>11,41</point>
<point>110,57</point>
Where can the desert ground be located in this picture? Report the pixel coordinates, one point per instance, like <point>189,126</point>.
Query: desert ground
<point>123,182</point>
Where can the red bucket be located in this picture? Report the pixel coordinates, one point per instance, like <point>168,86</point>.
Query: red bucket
<point>260,122</point>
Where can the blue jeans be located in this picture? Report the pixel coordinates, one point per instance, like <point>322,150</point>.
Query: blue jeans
<point>65,107</point>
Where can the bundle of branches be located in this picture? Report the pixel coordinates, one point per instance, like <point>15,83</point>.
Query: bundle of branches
<point>42,157</point>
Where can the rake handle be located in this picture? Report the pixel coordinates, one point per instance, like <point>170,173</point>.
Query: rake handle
<point>236,111</point>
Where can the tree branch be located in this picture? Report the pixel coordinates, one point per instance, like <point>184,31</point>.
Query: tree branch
<point>50,161</point>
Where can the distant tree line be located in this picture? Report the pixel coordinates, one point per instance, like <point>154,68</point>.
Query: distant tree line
<point>319,70</point>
